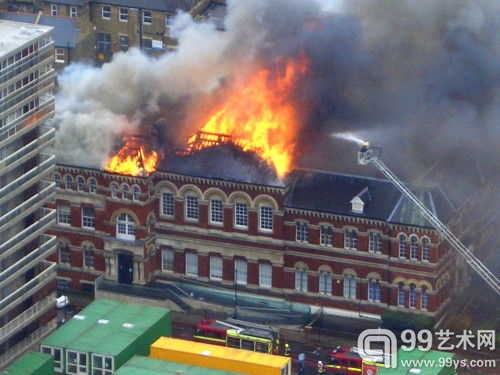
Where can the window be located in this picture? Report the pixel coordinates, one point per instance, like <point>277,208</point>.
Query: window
<point>88,217</point>
<point>191,207</point>
<point>350,239</point>
<point>412,297</point>
<point>326,235</point>
<point>57,179</point>
<point>167,203</point>
<point>106,12</point>
<point>401,294</point>
<point>413,247</point>
<point>425,249</point>
<point>325,283</point>
<point>301,231</point>
<point>167,260</point>
<point>125,227</point>
<point>265,275</point>
<point>136,193</point>
<point>92,185</point>
<point>76,363</point>
<point>373,291</point>
<point>73,12</point>
<point>88,258</point>
<point>53,9</point>
<point>216,211</point>
<point>124,42</point>
<point>349,286</point>
<point>68,182</point>
<point>123,15</point>
<point>241,215</point>
<point>146,17</point>
<point>402,245</point>
<point>56,354</point>
<point>191,264</point>
<point>240,271</point>
<point>374,242</point>
<point>216,267</point>
<point>80,183</point>
<point>103,43</point>
<point>266,218</point>
<point>114,190</point>
<point>125,191</point>
<point>424,299</point>
<point>64,214</point>
<point>64,253</point>
<point>59,55</point>
<point>301,279</point>
<point>102,365</point>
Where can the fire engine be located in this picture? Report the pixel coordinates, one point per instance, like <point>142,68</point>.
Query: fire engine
<point>240,334</point>
<point>347,361</point>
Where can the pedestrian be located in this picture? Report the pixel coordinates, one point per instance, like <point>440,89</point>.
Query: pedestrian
<point>321,368</point>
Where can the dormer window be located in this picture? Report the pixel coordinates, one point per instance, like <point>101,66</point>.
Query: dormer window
<point>357,205</point>
<point>359,201</point>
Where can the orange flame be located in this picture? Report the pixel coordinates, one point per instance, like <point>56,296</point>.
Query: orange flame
<point>259,118</point>
<point>133,159</point>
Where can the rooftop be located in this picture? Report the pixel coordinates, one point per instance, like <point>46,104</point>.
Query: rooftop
<point>17,34</point>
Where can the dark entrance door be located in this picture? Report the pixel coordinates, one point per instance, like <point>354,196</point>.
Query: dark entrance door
<point>125,268</point>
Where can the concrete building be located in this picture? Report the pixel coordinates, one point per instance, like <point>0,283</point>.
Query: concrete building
<point>27,281</point>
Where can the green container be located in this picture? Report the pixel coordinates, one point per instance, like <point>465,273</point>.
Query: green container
<point>418,362</point>
<point>31,363</point>
<point>139,365</point>
<point>105,335</point>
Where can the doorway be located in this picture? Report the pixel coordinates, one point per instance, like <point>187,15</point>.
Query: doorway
<point>125,268</point>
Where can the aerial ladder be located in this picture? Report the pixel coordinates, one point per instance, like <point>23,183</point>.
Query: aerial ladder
<point>368,155</point>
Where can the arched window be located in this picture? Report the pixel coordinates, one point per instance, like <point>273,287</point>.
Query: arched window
<point>191,209</point>
<point>373,290</point>
<point>426,244</point>
<point>350,286</point>
<point>68,181</point>
<point>402,245</point>
<point>413,247</point>
<point>412,297</point>
<point>216,215</point>
<point>80,183</point>
<point>114,189</point>
<point>401,294</point>
<point>424,298</point>
<point>301,278</point>
<point>64,253</point>
<point>136,193</point>
<point>57,179</point>
<point>92,185</point>
<point>125,227</point>
<point>125,191</point>
<point>325,282</point>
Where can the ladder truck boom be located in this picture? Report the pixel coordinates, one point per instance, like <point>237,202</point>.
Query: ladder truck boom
<point>368,155</point>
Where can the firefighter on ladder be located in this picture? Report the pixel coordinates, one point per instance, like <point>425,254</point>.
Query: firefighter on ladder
<point>321,368</point>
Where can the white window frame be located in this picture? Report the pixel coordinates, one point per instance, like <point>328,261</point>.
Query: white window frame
<point>147,17</point>
<point>216,266</point>
<point>325,283</point>
<point>88,221</point>
<point>424,300</point>
<point>73,12</point>
<point>123,15</point>
<point>77,368</point>
<point>414,245</point>
<point>106,12</point>
<point>191,210</point>
<point>350,239</point>
<point>100,370</point>
<point>241,215</point>
<point>59,55</point>
<point>266,218</point>
<point>88,258</point>
<point>241,271</point>
<point>301,231</point>
<point>92,184</point>
<point>53,9</point>
<point>64,214</point>
<point>301,279</point>
<point>265,275</point>
<point>350,287</point>
<point>326,235</point>
<point>426,249</point>
<point>191,264</point>
<point>402,244</point>
<point>167,204</point>
<point>57,355</point>
<point>80,183</point>
<point>374,290</point>
<point>374,242</point>
<point>401,296</point>
<point>412,298</point>
<point>125,227</point>
<point>216,212</point>
<point>167,260</point>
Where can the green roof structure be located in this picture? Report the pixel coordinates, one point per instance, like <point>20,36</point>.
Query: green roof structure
<point>105,335</point>
<point>31,363</point>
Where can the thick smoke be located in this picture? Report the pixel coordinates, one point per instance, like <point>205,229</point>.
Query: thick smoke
<point>420,79</point>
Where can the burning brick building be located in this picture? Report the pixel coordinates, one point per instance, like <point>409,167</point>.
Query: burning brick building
<point>324,239</point>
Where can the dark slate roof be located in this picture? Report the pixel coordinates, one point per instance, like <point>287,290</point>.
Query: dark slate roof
<point>66,31</point>
<point>332,193</point>
<point>157,5</point>
<point>76,3</point>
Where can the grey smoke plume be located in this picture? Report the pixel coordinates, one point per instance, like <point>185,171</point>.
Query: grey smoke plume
<point>420,79</point>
